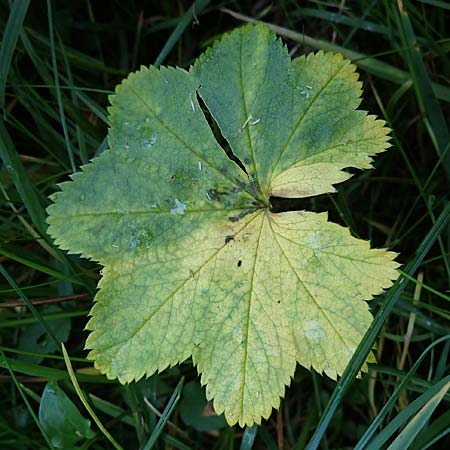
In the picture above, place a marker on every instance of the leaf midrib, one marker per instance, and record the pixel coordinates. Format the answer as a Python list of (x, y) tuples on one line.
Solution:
[(247, 325), (244, 104), (321, 310), (285, 146), (144, 212)]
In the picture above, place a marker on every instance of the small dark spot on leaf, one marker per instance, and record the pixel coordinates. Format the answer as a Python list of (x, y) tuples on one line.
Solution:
[(240, 215), (253, 187), (279, 301), (228, 239), (239, 263), (172, 177), (212, 194)]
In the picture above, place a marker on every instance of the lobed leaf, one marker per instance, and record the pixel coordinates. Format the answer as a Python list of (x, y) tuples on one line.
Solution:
[(195, 262)]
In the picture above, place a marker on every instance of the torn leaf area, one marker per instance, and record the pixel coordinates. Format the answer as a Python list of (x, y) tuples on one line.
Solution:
[(195, 263)]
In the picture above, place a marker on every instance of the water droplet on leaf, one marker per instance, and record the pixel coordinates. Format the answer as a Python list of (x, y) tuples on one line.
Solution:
[(180, 207)]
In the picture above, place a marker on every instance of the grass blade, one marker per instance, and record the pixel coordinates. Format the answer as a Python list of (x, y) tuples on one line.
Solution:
[(438, 3), (27, 403), (333, 17), (428, 104), (9, 40), (435, 431), (168, 410), (43, 373), (21, 180), (413, 428), (83, 400), (361, 445), (30, 306), (58, 88), (428, 400), (249, 437), (191, 14)]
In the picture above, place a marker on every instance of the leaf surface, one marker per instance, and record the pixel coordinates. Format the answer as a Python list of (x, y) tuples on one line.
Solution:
[(61, 419), (195, 262)]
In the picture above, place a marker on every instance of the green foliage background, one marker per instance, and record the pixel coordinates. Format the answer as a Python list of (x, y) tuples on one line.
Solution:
[(58, 63)]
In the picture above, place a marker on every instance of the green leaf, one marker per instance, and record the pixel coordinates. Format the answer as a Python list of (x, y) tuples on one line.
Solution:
[(193, 406), (61, 419), (195, 261), (35, 339)]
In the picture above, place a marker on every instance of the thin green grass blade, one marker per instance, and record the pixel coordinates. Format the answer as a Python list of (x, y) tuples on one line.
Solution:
[(168, 410), (441, 366), (81, 140), (41, 355), (86, 404), (333, 17), (110, 409), (435, 431), (29, 320), (248, 438), (27, 403), (197, 7), (38, 63), (30, 306), (40, 267), (370, 64), (436, 439), (102, 147), (174, 442), (391, 107), (77, 58), (31, 394), (406, 437), (361, 445), (438, 3), (94, 107), (21, 180), (436, 392), (368, 341), (133, 404), (9, 40), (366, 13), (428, 288), (58, 88), (428, 104), (306, 427), (36, 370), (137, 39)]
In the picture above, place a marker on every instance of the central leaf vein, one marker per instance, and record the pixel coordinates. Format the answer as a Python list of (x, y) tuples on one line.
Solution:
[(247, 326), (321, 310), (247, 117), (285, 146)]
